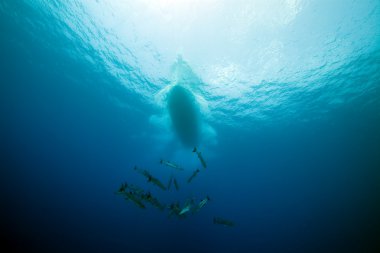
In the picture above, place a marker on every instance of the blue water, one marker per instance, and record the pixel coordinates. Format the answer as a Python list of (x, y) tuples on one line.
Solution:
[(281, 97)]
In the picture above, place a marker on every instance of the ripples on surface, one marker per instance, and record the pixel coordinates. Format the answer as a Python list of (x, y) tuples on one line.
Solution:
[(259, 61)]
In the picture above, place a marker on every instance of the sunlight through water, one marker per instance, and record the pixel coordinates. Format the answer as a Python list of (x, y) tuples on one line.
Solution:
[(255, 58)]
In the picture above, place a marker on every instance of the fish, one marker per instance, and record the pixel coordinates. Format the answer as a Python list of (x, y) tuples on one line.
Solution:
[(170, 164), (143, 172), (176, 184), (152, 200), (135, 189), (193, 175), (184, 210), (202, 203), (174, 209), (224, 222), (122, 189), (136, 200), (188, 205), (170, 182), (150, 178), (157, 182), (200, 157)]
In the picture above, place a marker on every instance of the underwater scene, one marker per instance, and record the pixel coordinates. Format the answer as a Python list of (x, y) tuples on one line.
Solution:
[(190, 126)]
